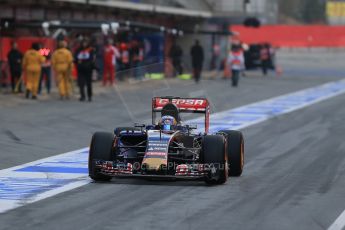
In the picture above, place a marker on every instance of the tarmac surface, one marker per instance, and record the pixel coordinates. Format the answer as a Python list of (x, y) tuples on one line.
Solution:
[(294, 176)]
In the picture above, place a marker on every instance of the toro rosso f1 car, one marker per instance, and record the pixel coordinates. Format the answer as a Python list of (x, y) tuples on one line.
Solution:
[(168, 148)]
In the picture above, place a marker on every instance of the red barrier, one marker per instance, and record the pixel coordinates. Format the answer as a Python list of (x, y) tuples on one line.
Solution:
[(293, 36), (24, 43)]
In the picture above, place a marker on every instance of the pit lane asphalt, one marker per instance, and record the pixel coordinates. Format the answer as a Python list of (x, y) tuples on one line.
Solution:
[(293, 178)]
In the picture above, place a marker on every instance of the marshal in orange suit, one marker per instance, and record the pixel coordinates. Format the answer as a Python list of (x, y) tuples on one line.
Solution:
[(62, 61), (32, 65)]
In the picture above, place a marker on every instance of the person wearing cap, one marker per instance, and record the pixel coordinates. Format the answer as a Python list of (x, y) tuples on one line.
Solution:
[(62, 61), (32, 65)]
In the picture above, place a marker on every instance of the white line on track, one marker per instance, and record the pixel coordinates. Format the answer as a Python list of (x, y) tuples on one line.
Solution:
[(339, 223)]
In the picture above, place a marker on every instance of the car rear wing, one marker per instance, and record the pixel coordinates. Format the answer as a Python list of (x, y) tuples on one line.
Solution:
[(185, 105)]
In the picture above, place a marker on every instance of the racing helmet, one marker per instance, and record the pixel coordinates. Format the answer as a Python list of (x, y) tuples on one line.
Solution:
[(167, 122)]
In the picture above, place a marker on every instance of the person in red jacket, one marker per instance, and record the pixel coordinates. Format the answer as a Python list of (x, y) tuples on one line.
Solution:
[(111, 53)]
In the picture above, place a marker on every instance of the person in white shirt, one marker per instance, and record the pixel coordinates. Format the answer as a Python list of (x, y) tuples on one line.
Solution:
[(236, 63)]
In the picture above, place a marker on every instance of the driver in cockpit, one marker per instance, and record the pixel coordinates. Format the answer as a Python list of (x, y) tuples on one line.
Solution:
[(168, 123)]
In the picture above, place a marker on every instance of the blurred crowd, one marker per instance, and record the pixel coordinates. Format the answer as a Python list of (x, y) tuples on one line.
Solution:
[(82, 62), (39, 67)]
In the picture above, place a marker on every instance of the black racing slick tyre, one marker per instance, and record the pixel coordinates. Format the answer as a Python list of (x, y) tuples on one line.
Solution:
[(215, 159), (235, 150), (101, 148), (118, 130)]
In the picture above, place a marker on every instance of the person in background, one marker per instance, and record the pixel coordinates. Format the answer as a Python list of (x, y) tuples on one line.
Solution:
[(46, 70), (175, 54), (265, 57), (215, 56), (118, 59), (85, 61), (111, 53), (124, 56), (62, 63), (14, 58), (124, 61), (236, 63), (141, 52), (197, 54), (135, 59), (32, 65), (272, 63), (141, 57)]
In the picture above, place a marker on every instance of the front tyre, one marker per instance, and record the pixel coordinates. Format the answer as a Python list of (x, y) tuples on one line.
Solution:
[(215, 159), (101, 148)]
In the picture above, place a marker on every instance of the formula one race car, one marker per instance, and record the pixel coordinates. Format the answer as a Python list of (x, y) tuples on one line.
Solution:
[(168, 148)]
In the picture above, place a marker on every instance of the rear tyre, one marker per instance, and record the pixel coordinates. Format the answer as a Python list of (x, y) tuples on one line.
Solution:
[(118, 130), (215, 159), (101, 148), (235, 151)]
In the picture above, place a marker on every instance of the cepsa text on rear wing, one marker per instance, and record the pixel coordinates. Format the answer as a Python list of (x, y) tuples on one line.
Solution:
[(185, 105)]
